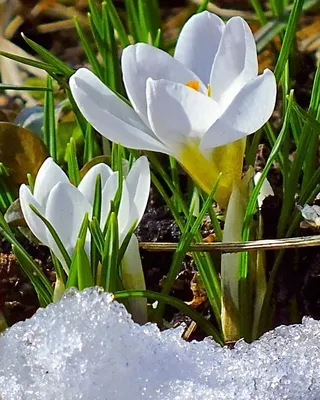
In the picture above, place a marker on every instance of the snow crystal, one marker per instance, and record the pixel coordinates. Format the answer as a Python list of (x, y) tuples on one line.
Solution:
[(87, 347)]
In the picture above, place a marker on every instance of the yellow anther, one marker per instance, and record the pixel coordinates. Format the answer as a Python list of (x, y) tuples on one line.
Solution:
[(209, 90), (194, 85)]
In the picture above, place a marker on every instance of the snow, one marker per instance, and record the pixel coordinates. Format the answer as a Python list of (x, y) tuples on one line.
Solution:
[(87, 347)]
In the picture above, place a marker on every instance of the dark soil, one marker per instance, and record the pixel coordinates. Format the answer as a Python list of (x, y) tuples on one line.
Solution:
[(18, 299)]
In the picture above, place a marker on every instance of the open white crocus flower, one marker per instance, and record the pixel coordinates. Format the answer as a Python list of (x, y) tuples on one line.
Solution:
[(196, 106), (65, 206)]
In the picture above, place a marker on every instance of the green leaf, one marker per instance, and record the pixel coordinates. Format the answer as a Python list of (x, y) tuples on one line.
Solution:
[(96, 17), (205, 325), (72, 161), (203, 6), (87, 47), (118, 25), (91, 147), (65, 131), (27, 61), (55, 236), (59, 66), (288, 39), (49, 124), (39, 281), (80, 274), (110, 57), (126, 241), (97, 235), (4, 86), (182, 249), (94, 161), (109, 273)]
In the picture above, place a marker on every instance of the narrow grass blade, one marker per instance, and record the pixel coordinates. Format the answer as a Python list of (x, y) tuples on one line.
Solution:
[(118, 25), (27, 61), (110, 256), (87, 47), (55, 236), (49, 123), (72, 161), (208, 328), (58, 65), (289, 38), (39, 281)]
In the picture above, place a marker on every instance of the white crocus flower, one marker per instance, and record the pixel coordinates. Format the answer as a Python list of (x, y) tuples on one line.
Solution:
[(65, 206), (196, 106)]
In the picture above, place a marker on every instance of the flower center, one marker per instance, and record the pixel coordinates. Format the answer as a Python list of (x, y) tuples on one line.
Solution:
[(194, 85)]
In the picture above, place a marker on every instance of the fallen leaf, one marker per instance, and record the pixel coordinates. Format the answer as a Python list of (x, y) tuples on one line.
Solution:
[(21, 151)]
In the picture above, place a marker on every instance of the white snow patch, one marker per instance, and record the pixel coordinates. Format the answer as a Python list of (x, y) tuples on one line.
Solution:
[(87, 347)]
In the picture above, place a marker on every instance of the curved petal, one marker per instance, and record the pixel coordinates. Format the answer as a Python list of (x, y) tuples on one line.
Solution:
[(178, 113), (48, 176), (88, 183), (266, 189), (198, 43), (142, 61), (66, 207), (35, 224), (108, 193), (133, 278), (138, 184), (125, 219), (251, 108), (235, 63), (109, 115)]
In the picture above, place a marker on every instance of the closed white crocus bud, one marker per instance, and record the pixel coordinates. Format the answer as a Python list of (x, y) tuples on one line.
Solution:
[(65, 205), (197, 106)]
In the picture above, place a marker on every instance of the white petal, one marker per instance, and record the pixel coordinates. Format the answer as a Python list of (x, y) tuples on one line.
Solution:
[(109, 115), (138, 184), (125, 220), (266, 189), (133, 278), (251, 108), (35, 224), (178, 113), (48, 176), (108, 193), (88, 183), (65, 210), (198, 43), (235, 63), (142, 61)]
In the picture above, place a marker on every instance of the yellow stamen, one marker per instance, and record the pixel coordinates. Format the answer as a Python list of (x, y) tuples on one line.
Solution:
[(194, 85), (209, 90)]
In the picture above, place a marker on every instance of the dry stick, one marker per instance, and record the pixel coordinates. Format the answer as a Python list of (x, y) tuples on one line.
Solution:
[(236, 247)]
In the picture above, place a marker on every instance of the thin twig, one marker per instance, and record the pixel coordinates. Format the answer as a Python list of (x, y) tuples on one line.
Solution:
[(237, 247)]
